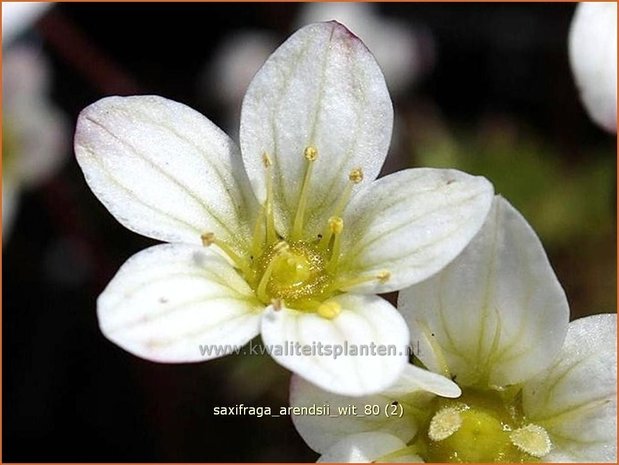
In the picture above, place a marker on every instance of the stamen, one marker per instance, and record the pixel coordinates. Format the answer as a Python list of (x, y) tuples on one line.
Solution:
[(343, 284), (336, 226), (209, 239), (532, 439), (444, 423), (354, 177), (261, 293), (268, 206), (329, 310), (297, 228), (258, 240), (277, 304)]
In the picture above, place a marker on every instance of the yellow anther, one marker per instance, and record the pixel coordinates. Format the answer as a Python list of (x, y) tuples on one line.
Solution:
[(329, 310), (208, 239), (444, 423), (297, 226), (356, 176), (277, 304), (311, 153), (266, 160), (532, 439), (336, 224), (383, 276)]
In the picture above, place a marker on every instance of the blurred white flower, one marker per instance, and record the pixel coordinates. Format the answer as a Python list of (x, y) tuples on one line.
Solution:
[(404, 52), (495, 320), (593, 56), (291, 237), (35, 132), (18, 16)]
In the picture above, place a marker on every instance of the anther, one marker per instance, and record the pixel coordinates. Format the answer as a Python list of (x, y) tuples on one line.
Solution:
[(329, 310), (266, 160), (336, 224), (208, 239), (281, 246), (356, 176), (383, 276), (311, 153), (444, 423), (532, 439)]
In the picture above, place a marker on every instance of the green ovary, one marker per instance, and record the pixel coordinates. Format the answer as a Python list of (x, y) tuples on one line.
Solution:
[(481, 426), (295, 273)]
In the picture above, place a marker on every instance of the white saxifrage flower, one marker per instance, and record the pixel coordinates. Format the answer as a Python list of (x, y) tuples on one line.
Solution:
[(495, 321), (593, 56), (35, 132), (290, 237)]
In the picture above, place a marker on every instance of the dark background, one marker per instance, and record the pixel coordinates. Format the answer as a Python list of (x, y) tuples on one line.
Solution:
[(70, 395)]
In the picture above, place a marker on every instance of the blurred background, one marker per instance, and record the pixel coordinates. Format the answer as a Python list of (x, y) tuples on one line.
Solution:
[(486, 88)]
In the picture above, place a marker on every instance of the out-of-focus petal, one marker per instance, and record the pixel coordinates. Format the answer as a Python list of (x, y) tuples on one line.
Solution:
[(593, 55)]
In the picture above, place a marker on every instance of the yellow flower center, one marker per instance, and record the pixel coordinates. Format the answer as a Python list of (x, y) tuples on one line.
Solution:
[(298, 271), (482, 426)]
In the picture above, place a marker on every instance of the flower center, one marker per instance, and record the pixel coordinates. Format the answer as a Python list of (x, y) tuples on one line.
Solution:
[(295, 273), (299, 271), (482, 426)]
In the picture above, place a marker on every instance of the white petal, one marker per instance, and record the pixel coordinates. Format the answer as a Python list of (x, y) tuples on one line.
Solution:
[(366, 325), (178, 303), (497, 313), (576, 398), (411, 224), (593, 56), (322, 431), (368, 447), (394, 43), (321, 88), (415, 379), (163, 170)]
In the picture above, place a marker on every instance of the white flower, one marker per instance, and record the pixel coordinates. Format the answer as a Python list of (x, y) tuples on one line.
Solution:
[(34, 131), (593, 56), (299, 244), (495, 321), (17, 16)]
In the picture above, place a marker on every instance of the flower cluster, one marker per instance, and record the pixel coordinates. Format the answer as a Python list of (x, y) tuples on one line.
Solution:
[(291, 236)]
